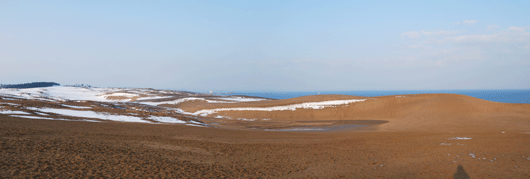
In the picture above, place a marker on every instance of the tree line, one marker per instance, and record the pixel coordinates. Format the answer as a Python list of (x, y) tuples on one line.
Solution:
[(30, 85)]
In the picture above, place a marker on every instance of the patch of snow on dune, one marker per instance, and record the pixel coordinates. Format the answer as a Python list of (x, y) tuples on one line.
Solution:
[(12, 112), (63, 93), (47, 118), (245, 119), (32, 117), (460, 138), (11, 104), (241, 99), (195, 122), (42, 114), (128, 95), (194, 125), (7, 98), (92, 114), (77, 107), (166, 119), (297, 129), (309, 105), (153, 97), (177, 101)]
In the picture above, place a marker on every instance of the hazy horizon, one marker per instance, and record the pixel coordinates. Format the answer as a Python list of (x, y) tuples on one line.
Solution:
[(268, 46)]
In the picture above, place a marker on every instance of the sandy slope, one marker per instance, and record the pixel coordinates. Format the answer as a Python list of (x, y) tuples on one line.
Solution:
[(67, 149), (442, 112), (426, 136)]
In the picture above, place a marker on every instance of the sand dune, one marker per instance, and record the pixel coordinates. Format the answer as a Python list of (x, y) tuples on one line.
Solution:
[(405, 136), (404, 112)]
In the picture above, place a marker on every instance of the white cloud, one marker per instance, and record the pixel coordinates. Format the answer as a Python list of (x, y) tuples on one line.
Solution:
[(510, 35), (517, 29), (446, 48), (469, 22), (418, 34), (416, 46), (411, 34), (472, 38), (492, 27)]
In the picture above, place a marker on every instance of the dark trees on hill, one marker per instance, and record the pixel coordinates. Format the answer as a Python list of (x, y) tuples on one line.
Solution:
[(31, 85)]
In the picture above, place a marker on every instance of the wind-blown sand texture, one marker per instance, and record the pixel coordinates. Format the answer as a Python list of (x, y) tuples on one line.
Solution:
[(410, 136)]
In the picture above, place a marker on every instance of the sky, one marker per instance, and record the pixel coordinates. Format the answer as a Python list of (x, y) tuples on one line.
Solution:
[(268, 45)]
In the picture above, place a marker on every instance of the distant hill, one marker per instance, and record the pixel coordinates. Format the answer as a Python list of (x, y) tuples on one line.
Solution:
[(31, 85)]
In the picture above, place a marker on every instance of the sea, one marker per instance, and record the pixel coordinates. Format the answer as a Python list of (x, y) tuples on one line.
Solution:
[(504, 96)]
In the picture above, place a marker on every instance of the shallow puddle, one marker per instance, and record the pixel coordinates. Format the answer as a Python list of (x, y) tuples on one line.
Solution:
[(333, 126)]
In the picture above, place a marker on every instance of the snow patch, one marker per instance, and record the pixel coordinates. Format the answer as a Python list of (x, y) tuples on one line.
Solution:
[(195, 122), (241, 99), (11, 104), (461, 138), (42, 114), (153, 98), (194, 125), (166, 119), (47, 118), (64, 93), (244, 119), (32, 117), (92, 114), (177, 101), (77, 107), (297, 129), (309, 105), (12, 112)]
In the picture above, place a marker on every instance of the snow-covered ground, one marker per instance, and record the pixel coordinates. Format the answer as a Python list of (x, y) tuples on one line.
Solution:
[(63, 93), (154, 97), (241, 99), (12, 112), (58, 94), (177, 101), (91, 114), (77, 107), (166, 119)]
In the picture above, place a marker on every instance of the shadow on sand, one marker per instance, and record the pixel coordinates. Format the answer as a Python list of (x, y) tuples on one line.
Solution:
[(460, 173)]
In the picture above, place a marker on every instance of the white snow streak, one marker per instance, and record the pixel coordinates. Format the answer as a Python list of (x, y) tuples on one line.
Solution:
[(12, 112), (77, 107), (461, 138), (241, 99), (92, 114), (166, 119), (292, 107)]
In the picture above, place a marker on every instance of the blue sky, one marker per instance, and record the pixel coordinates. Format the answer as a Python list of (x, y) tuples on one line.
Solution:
[(268, 45)]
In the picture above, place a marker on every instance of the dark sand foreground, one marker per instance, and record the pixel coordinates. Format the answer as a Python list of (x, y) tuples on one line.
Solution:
[(426, 136)]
